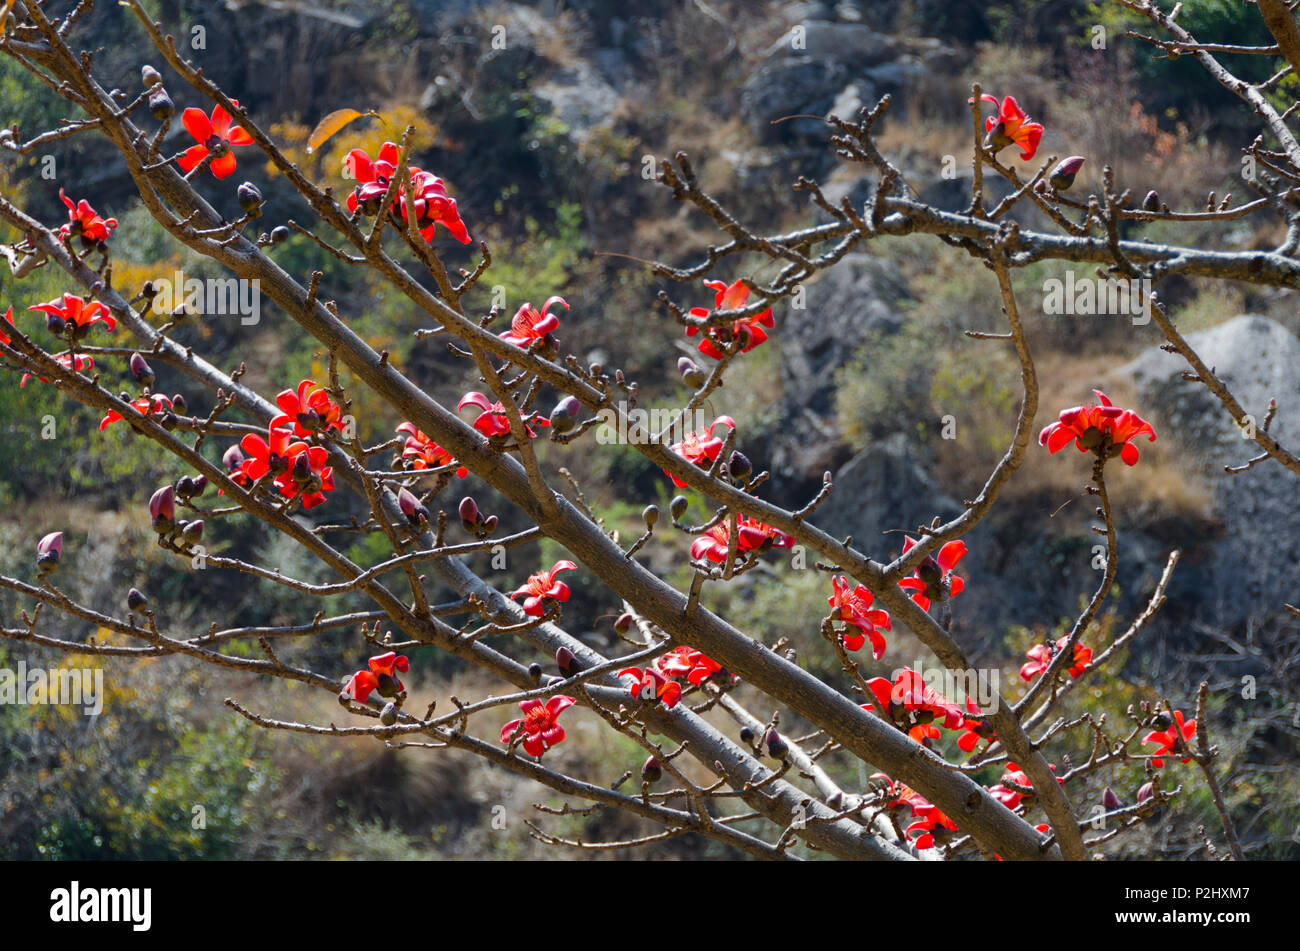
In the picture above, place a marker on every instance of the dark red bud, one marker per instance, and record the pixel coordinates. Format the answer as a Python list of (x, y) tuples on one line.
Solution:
[(568, 664), (141, 370), (651, 771)]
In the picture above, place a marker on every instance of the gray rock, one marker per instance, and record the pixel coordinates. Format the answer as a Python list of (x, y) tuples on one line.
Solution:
[(851, 44), (787, 86), (1253, 562), (860, 295)]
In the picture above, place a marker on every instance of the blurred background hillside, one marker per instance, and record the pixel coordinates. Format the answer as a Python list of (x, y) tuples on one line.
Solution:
[(543, 144)]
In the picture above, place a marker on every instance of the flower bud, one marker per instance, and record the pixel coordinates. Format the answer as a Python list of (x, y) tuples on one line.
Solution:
[(279, 233), (1062, 176), (388, 715), (535, 672), (623, 623), (200, 484), (179, 405), (162, 509), (565, 414), (997, 138), (650, 514), (55, 324), (191, 532), (1109, 801), (301, 469), (692, 375), (739, 466), (470, 517), (489, 525), (1145, 792), (161, 106), (233, 458), (49, 550), (567, 663), (141, 371), (136, 601), (1152, 201), (149, 76), (184, 487), (746, 735), (415, 512), (651, 771), (677, 507), (1163, 720), (776, 745), (250, 198)]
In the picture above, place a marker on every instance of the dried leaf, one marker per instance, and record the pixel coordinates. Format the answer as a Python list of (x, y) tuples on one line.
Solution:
[(330, 125)]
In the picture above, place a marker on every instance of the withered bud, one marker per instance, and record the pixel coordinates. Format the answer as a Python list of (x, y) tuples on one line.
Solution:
[(388, 715), (692, 375), (650, 514), (677, 507)]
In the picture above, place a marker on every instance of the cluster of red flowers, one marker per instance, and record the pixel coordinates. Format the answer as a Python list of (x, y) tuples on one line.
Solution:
[(913, 706), (427, 199), (298, 468), (656, 681), (748, 331), (932, 827), (751, 535)]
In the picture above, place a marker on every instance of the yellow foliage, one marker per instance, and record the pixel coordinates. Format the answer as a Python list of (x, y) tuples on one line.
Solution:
[(366, 134)]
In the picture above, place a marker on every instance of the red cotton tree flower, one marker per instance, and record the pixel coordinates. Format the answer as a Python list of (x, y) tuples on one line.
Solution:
[(1174, 739), (1011, 127), (423, 453), (85, 223), (750, 331), (213, 135), (530, 326), (543, 586), (852, 606), (76, 313), (933, 579), (540, 724), (1040, 657), (1104, 429), (701, 447)]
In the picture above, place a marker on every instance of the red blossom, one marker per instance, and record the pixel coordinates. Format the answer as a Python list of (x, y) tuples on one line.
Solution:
[(424, 453), (64, 360), (83, 222), (543, 585), (1104, 429), (493, 420), (531, 325), (651, 684), (748, 330), (688, 662), (1040, 656), (308, 410), (307, 475), (700, 447), (910, 702), (853, 608), (933, 579), (81, 314), (1176, 739), (154, 405), (1015, 127), (431, 203), (751, 535), (8, 319), (973, 730), (541, 729), (381, 676), (212, 135), (266, 455)]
